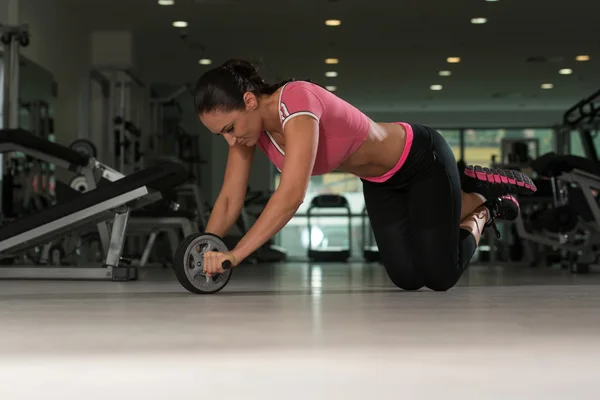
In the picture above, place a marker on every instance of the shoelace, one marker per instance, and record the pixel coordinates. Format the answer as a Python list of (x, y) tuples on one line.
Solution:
[(493, 211)]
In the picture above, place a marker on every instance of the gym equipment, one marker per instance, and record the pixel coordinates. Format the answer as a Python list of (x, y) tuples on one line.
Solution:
[(12, 37), (20, 140), (114, 116), (169, 137), (188, 264), (571, 220), (583, 118), (110, 201), (254, 204), (85, 147), (517, 153), (330, 253), (369, 246)]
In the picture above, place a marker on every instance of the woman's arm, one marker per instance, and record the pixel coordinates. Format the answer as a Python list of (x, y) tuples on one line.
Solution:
[(301, 139), (230, 201)]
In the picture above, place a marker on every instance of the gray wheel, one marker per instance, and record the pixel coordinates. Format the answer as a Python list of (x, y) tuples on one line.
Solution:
[(79, 183), (188, 264)]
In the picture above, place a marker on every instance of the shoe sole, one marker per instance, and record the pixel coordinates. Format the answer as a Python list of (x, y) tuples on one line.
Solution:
[(518, 182), (511, 198)]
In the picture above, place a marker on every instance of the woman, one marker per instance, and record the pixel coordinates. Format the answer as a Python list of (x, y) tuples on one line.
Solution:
[(426, 228)]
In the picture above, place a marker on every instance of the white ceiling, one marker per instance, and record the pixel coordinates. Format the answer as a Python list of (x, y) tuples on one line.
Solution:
[(390, 51)]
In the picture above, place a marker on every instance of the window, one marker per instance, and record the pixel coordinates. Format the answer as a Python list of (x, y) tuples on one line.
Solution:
[(329, 231), (452, 136), (482, 144), (577, 148)]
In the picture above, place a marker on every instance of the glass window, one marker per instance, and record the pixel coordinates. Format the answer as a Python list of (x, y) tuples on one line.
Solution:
[(482, 144), (577, 144), (452, 136), (596, 139)]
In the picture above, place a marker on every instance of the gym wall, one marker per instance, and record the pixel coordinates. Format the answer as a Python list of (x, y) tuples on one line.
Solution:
[(60, 44)]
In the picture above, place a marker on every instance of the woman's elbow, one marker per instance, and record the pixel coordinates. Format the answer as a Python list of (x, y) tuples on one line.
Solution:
[(293, 198)]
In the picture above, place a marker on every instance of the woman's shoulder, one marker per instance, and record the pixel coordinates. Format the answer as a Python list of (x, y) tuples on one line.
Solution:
[(302, 84)]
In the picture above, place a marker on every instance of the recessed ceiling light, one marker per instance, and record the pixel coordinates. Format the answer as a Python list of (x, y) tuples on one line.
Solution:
[(491, 0), (331, 74), (333, 22), (180, 24), (547, 86), (478, 20), (565, 71), (583, 58), (205, 61), (453, 60), (445, 73), (436, 87), (331, 61), (166, 2), (331, 88)]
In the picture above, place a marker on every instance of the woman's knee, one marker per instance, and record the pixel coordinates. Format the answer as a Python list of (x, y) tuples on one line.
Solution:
[(442, 282), (405, 278)]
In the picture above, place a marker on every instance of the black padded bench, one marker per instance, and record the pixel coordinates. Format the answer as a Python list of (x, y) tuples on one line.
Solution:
[(54, 153), (552, 165), (93, 206)]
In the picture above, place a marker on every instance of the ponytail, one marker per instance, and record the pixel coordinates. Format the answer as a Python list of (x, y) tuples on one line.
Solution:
[(223, 87)]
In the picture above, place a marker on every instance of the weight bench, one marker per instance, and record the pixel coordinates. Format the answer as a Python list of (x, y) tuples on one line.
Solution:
[(92, 171), (27, 143), (12, 140), (113, 200), (575, 182)]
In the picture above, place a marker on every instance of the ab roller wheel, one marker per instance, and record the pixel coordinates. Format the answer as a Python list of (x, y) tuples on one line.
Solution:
[(188, 264)]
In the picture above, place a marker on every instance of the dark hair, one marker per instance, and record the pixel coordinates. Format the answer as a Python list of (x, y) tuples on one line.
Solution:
[(222, 88)]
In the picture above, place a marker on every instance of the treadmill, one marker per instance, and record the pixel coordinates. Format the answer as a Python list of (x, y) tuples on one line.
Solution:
[(329, 253)]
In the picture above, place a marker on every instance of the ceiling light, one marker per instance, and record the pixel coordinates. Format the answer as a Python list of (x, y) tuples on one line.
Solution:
[(436, 87), (583, 58), (205, 61), (565, 71), (478, 20), (331, 74), (491, 0), (445, 73), (331, 88), (333, 22), (166, 2), (180, 24), (453, 60), (547, 86), (331, 61)]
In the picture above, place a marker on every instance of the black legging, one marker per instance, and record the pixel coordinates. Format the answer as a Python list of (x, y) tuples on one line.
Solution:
[(415, 217)]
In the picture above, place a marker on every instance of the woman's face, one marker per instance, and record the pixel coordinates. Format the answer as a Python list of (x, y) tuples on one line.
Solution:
[(242, 127)]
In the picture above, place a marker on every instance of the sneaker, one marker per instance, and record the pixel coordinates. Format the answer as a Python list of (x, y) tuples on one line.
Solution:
[(493, 183), (505, 208)]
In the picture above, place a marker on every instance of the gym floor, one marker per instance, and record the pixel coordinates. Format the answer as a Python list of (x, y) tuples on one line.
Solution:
[(295, 331)]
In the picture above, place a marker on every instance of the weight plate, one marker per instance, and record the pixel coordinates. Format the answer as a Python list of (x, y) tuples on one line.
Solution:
[(85, 147), (79, 183), (188, 264)]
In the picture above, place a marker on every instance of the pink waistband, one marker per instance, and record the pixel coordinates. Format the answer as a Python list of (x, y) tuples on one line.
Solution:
[(407, 146)]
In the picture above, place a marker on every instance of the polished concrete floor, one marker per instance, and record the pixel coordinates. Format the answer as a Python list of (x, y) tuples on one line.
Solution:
[(296, 331)]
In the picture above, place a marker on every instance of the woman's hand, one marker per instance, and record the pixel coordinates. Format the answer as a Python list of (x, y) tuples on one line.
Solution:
[(213, 262)]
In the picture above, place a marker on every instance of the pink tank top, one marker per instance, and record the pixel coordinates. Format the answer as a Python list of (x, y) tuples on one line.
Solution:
[(342, 127)]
